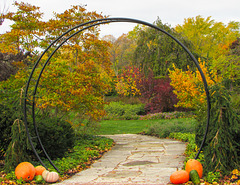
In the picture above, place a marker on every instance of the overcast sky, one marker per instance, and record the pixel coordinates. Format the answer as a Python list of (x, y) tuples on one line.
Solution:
[(172, 12)]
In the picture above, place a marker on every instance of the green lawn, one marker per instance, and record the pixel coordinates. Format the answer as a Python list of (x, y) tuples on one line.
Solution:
[(137, 126)]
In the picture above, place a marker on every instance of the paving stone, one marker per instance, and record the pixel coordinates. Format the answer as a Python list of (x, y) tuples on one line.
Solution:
[(135, 159)]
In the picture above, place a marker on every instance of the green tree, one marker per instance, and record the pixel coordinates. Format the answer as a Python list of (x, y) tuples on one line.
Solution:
[(121, 51), (228, 65), (158, 51)]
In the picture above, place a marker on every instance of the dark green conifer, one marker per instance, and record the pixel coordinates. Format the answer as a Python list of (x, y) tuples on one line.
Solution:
[(18, 147), (222, 147)]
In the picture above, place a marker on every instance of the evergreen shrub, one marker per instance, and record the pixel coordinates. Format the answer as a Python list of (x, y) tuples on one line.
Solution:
[(19, 149), (222, 146), (57, 136), (7, 117), (236, 102)]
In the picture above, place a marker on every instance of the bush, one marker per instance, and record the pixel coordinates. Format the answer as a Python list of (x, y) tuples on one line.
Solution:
[(221, 149), (119, 110), (167, 115), (236, 102), (19, 149), (57, 136), (7, 117), (157, 94), (164, 129), (124, 99)]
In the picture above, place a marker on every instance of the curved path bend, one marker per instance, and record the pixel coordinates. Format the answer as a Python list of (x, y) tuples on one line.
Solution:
[(135, 159)]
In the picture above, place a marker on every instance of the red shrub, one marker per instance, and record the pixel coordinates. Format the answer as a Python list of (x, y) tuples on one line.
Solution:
[(157, 94)]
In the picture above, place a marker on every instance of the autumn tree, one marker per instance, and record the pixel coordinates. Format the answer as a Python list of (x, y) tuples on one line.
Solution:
[(158, 51), (121, 51), (156, 93), (25, 30), (78, 74), (210, 39), (128, 80), (77, 88), (228, 65), (189, 88), (81, 43), (3, 11)]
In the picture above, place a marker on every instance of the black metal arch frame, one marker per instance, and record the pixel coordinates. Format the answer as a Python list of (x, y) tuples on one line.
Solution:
[(85, 26)]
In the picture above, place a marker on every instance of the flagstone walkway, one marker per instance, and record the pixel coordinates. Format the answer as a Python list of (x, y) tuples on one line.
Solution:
[(135, 159)]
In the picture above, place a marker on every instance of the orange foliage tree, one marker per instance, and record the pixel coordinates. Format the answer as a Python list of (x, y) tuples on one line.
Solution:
[(79, 73), (25, 31)]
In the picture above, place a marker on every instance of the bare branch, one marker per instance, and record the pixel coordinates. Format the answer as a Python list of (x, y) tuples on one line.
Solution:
[(3, 12)]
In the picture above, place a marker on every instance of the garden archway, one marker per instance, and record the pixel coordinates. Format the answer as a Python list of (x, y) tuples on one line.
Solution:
[(30, 98)]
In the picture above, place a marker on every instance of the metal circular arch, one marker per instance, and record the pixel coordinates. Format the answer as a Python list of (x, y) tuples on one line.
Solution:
[(85, 26)]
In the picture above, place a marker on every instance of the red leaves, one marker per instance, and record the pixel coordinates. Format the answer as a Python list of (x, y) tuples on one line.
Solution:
[(157, 94)]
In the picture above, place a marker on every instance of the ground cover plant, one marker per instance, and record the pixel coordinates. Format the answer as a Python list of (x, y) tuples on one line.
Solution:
[(164, 127), (211, 177), (86, 150), (168, 115)]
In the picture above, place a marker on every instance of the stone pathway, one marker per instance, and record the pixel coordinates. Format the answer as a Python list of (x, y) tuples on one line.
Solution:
[(135, 159)]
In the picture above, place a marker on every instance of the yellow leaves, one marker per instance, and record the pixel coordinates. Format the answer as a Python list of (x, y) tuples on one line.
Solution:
[(70, 86), (189, 87), (127, 82), (235, 176), (235, 172), (210, 39)]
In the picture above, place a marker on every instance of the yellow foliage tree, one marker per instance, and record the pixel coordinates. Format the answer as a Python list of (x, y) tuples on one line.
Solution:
[(210, 39), (74, 88), (127, 82), (189, 87)]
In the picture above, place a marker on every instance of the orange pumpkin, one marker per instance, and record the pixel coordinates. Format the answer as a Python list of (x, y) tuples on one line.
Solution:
[(179, 177), (25, 170), (193, 164), (39, 170)]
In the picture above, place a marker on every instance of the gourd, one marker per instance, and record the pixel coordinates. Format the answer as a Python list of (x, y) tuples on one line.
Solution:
[(25, 170), (193, 164), (50, 176), (38, 179), (179, 177), (39, 170), (194, 177)]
